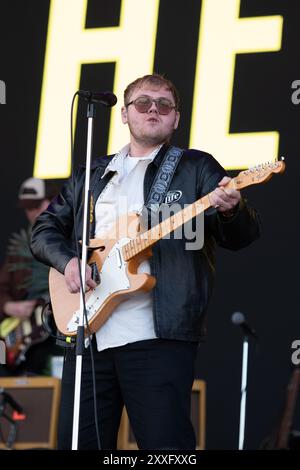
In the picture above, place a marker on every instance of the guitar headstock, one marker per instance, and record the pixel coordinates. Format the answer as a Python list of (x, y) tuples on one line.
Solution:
[(258, 174)]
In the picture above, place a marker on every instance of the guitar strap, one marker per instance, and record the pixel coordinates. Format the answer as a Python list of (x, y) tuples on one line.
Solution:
[(163, 178)]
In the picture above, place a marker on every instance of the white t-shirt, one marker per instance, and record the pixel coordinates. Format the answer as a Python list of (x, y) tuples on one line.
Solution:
[(132, 320)]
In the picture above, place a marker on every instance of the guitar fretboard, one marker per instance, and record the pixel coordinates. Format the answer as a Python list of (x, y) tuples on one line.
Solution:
[(245, 178), (147, 239)]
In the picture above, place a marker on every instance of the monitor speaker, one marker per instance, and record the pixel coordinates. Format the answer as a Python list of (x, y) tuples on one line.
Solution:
[(29, 412)]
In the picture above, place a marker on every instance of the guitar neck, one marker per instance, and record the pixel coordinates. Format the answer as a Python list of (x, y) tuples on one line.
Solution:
[(147, 239), (287, 418), (142, 242)]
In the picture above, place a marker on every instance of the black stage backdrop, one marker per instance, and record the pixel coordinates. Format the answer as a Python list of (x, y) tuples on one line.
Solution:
[(262, 280)]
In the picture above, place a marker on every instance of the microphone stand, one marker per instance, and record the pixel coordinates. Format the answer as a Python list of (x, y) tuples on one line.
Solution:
[(6, 398), (243, 393), (91, 113)]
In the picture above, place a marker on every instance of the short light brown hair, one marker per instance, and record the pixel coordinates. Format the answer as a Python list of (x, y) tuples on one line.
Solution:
[(156, 81)]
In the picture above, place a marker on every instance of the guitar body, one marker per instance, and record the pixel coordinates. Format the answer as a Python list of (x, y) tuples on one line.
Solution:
[(20, 335), (118, 279)]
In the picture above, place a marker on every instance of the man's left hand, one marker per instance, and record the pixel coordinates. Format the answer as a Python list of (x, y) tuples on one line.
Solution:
[(225, 199)]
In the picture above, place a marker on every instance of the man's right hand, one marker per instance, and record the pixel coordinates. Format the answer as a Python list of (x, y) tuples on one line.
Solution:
[(19, 308), (72, 277)]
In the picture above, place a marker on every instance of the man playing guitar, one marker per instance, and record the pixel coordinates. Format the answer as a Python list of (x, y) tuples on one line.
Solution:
[(145, 350), (24, 290)]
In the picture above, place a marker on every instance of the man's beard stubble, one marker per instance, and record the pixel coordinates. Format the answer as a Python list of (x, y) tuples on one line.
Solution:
[(151, 140)]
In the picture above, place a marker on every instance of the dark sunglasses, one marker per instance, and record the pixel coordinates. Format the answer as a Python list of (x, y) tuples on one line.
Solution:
[(144, 103)]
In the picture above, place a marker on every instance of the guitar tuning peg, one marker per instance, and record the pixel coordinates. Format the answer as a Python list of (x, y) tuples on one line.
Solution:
[(282, 158)]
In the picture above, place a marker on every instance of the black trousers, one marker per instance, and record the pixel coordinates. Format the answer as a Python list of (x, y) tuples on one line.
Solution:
[(153, 378)]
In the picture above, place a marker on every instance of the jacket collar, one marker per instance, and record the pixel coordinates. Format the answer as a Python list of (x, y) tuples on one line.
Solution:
[(105, 161), (117, 162), (157, 160)]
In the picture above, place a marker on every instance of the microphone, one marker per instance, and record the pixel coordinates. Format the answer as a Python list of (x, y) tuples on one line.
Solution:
[(106, 98), (7, 398), (239, 319)]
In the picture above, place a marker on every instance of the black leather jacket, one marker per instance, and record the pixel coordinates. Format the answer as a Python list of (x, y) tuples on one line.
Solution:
[(184, 277)]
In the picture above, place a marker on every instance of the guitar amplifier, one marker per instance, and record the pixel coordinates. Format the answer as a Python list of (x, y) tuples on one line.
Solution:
[(32, 403), (126, 439)]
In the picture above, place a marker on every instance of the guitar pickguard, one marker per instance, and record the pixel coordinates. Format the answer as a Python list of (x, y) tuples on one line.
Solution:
[(114, 278)]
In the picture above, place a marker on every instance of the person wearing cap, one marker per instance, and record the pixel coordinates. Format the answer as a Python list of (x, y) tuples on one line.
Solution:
[(35, 195), (24, 281)]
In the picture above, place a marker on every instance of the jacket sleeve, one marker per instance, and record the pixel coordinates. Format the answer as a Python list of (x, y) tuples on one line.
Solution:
[(51, 237), (233, 232)]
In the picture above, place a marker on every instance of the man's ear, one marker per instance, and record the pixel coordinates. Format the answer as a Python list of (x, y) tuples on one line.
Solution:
[(177, 118), (124, 114)]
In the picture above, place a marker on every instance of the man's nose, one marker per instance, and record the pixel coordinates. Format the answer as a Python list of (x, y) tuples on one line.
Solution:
[(153, 107)]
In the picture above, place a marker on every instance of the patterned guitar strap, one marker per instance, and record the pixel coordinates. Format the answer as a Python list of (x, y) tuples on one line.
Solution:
[(161, 183)]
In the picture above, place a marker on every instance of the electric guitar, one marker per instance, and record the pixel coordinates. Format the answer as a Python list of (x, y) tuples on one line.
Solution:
[(20, 335), (117, 257)]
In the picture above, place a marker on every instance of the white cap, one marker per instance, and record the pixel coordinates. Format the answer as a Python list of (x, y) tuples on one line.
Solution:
[(32, 189)]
